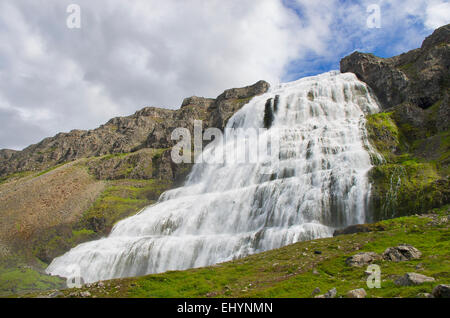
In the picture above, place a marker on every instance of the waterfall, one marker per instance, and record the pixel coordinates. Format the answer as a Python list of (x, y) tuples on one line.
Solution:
[(230, 210)]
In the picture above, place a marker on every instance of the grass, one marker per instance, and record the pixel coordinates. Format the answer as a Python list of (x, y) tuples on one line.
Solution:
[(18, 277), (413, 177), (121, 199), (26, 280), (295, 270)]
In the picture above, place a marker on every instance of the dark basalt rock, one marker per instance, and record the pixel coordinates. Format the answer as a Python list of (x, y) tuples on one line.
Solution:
[(358, 228)]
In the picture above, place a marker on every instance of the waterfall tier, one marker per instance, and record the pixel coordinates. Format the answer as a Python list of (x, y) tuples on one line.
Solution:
[(230, 210)]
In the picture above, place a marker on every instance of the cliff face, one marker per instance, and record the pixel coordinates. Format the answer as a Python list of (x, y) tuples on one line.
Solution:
[(420, 77), (148, 128), (412, 132)]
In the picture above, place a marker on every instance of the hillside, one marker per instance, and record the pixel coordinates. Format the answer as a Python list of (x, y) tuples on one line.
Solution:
[(297, 270)]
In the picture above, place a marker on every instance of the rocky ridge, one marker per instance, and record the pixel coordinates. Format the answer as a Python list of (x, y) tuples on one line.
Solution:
[(149, 127)]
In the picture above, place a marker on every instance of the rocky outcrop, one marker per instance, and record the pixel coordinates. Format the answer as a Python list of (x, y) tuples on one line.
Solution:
[(403, 252), (411, 279), (148, 128), (357, 228), (441, 291), (5, 154), (419, 77), (231, 101), (362, 259), (357, 293)]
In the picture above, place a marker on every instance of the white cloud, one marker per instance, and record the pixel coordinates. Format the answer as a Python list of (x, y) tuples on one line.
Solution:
[(131, 54), (136, 53), (437, 15)]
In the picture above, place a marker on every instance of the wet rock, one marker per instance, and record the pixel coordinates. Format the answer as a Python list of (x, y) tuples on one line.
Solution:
[(357, 293), (441, 291), (410, 279), (402, 252), (362, 259)]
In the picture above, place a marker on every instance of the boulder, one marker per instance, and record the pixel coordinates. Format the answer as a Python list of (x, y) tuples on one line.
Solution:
[(402, 252), (362, 259), (357, 293), (329, 294), (315, 291), (441, 291), (85, 294), (410, 279)]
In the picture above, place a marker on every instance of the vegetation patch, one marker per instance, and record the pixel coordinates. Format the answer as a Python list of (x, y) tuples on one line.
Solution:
[(413, 177), (121, 199)]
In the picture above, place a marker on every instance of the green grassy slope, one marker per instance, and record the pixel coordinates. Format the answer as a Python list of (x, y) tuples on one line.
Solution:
[(296, 270)]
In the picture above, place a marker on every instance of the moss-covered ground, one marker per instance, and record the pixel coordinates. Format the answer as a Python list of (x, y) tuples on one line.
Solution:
[(414, 175)]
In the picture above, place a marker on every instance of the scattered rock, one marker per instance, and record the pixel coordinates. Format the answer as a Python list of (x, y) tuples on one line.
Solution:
[(402, 252), (85, 294), (315, 272), (357, 293), (55, 294), (101, 284), (441, 291), (315, 291), (425, 295), (362, 259), (410, 279), (331, 293)]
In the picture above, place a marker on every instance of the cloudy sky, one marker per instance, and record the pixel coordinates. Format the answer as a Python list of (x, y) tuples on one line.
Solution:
[(136, 53)]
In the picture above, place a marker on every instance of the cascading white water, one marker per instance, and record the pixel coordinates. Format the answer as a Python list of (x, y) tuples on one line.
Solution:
[(231, 210)]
